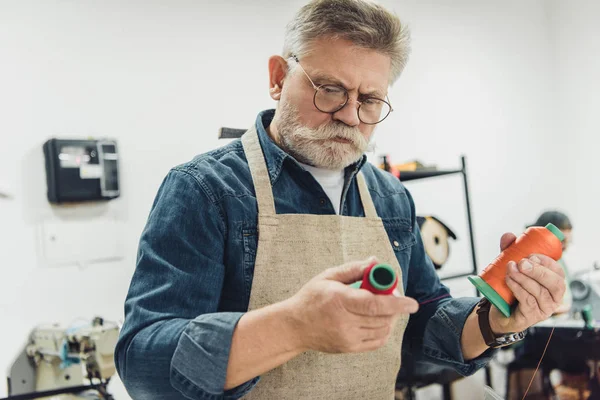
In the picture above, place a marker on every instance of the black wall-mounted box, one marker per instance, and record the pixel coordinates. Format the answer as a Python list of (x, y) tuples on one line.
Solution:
[(81, 170)]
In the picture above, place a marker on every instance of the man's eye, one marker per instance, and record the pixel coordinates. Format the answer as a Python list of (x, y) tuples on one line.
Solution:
[(371, 101), (332, 89)]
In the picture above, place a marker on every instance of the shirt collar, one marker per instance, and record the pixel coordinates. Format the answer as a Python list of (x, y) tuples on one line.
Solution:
[(275, 156)]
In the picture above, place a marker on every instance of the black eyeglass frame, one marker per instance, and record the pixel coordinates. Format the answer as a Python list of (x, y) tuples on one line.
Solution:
[(317, 88)]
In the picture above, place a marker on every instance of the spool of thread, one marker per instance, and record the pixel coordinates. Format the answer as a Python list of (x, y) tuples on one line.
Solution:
[(536, 239), (378, 279)]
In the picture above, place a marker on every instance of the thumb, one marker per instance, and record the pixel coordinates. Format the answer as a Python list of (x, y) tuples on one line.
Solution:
[(349, 272), (506, 240)]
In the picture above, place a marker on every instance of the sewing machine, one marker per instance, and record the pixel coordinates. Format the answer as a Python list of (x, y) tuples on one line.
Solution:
[(65, 362), (585, 290), (569, 342)]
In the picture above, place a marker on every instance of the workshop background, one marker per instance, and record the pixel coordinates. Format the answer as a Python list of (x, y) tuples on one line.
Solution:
[(512, 85)]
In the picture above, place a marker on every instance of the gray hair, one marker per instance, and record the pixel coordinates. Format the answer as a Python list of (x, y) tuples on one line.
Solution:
[(362, 22)]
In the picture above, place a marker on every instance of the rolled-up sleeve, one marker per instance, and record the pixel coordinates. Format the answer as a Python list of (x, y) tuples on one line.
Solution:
[(434, 333), (199, 364), (442, 336), (174, 343)]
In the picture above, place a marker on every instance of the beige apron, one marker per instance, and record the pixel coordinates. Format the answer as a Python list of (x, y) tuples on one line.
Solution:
[(292, 249)]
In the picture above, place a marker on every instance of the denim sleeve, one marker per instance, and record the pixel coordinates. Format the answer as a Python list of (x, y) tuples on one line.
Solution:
[(174, 343), (433, 333)]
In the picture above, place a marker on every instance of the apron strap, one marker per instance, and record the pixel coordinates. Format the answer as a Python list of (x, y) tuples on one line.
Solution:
[(365, 197), (260, 175)]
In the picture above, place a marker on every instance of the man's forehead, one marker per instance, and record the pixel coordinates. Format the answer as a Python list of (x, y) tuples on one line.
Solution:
[(350, 64), (323, 77)]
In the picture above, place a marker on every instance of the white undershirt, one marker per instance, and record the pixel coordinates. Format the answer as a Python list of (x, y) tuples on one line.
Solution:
[(331, 181)]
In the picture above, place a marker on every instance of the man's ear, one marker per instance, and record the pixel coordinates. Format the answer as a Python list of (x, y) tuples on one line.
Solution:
[(278, 68)]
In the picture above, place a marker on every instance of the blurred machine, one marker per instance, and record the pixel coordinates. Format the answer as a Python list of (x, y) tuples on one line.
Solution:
[(60, 362), (585, 290), (573, 349)]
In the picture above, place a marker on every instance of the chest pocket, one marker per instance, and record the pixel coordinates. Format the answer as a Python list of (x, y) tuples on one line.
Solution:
[(402, 239), (250, 244)]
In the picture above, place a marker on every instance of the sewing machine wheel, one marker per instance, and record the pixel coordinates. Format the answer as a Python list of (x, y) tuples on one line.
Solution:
[(579, 290)]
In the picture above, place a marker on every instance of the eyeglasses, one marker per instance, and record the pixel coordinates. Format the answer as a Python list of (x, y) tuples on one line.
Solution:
[(332, 98)]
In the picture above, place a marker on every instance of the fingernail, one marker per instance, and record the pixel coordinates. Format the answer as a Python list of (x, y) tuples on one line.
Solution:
[(535, 259), (526, 265), (396, 293), (512, 267)]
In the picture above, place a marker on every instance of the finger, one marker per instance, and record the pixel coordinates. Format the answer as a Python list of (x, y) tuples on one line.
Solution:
[(362, 302), (375, 334), (506, 240), (370, 345), (547, 262), (367, 322), (545, 300), (544, 276), (376, 343), (527, 302), (349, 272)]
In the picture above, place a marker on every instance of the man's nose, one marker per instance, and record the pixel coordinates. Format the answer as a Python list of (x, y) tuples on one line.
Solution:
[(348, 114)]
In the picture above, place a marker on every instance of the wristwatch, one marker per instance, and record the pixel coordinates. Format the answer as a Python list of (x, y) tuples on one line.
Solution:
[(491, 339)]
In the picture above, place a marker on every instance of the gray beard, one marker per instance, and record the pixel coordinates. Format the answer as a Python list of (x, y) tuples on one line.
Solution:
[(315, 146)]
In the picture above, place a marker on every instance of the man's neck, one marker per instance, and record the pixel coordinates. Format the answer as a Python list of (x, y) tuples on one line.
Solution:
[(272, 130), (323, 172)]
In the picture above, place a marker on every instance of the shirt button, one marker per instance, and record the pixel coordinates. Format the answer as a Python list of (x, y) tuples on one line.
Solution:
[(322, 202), (396, 244)]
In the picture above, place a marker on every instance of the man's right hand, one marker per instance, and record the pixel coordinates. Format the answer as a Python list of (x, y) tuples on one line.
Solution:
[(332, 317), (325, 315)]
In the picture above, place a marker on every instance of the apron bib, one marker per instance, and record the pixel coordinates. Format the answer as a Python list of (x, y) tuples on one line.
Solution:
[(292, 249)]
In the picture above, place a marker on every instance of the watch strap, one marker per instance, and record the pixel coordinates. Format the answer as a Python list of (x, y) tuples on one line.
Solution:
[(491, 339)]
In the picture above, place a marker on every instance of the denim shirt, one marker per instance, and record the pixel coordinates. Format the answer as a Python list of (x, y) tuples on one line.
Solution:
[(196, 260)]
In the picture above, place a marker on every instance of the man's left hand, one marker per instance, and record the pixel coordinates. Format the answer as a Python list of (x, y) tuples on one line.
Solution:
[(538, 283)]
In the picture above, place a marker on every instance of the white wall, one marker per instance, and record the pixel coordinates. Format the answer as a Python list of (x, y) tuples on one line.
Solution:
[(479, 83), (162, 79), (575, 31)]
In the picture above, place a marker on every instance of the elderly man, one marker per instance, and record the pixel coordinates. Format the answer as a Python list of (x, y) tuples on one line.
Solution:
[(241, 286)]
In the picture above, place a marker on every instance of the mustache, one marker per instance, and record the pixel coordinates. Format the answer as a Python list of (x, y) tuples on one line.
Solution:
[(336, 131)]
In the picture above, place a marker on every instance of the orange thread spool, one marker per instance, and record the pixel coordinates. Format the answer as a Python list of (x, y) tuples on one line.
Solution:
[(491, 282)]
